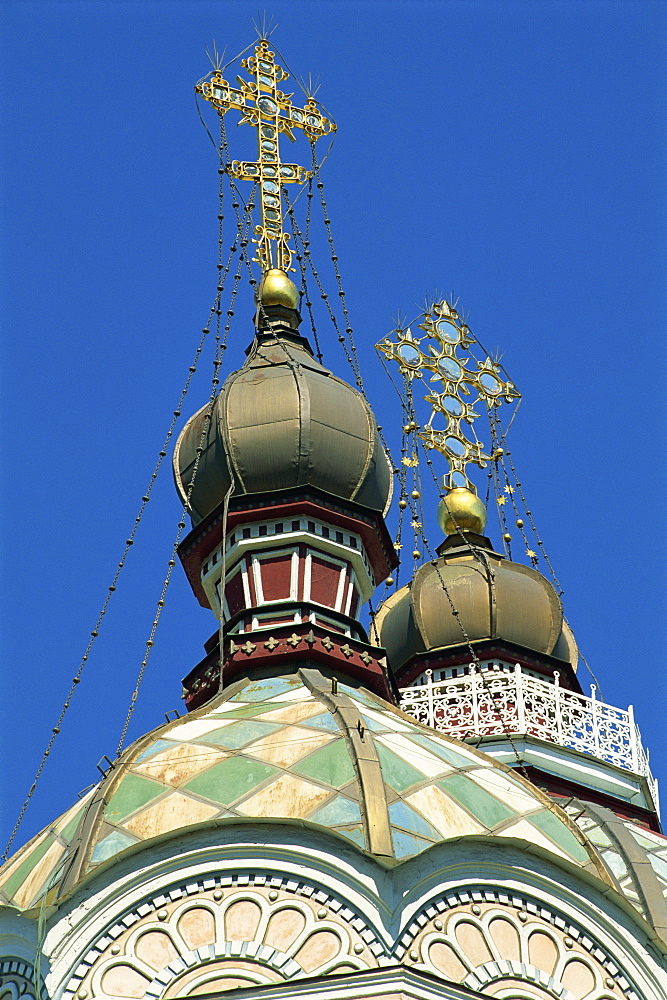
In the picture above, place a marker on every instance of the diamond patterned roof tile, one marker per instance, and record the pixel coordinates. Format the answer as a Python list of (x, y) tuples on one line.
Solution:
[(285, 748)]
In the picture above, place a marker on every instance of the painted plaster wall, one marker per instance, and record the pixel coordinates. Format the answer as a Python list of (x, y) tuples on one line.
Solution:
[(267, 904)]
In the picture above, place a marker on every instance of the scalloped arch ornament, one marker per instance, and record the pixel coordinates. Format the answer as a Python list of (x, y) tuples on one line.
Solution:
[(219, 934), (512, 948), (17, 980), (221, 939)]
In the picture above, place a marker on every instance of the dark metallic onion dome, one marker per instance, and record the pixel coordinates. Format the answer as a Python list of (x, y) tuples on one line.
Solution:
[(281, 421), (495, 598)]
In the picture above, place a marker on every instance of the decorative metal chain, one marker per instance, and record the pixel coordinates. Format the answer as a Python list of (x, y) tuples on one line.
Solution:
[(408, 407), (507, 455), (309, 199), (219, 265), (498, 494), (489, 479), (150, 642), (236, 196), (402, 493), (372, 614), (354, 360), (223, 270), (509, 491), (588, 667), (221, 346), (323, 295), (402, 508), (401, 471), (300, 245), (403, 505), (350, 352), (415, 503), (111, 588), (499, 434)]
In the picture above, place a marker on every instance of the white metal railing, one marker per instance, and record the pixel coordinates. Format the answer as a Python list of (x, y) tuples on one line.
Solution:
[(497, 702)]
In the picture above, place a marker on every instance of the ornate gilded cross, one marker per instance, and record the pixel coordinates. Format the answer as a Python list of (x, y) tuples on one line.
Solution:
[(445, 334), (271, 112)]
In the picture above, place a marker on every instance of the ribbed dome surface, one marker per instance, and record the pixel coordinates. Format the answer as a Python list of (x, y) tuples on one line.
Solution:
[(287, 748), (495, 598), (279, 422)]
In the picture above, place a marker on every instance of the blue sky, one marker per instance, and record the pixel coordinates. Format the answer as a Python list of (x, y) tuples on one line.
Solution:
[(510, 152)]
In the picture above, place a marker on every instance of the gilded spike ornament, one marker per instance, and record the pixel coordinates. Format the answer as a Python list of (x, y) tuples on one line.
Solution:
[(271, 112), (437, 352)]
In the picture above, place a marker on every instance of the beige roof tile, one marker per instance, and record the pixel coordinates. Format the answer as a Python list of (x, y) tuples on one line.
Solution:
[(447, 816), (170, 813), (286, 796), (288, 746)]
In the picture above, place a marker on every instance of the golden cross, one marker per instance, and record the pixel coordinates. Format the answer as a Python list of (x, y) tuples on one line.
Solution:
[(271, 112), (445, 335)]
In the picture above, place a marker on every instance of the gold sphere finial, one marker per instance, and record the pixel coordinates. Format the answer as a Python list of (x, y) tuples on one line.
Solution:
[(276, 289), (461, 510)]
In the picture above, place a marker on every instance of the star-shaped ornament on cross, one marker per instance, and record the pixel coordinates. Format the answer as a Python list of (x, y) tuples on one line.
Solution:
[(271, 112)]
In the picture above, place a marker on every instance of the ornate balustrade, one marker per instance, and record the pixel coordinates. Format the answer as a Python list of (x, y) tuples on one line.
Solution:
[(499, 702)]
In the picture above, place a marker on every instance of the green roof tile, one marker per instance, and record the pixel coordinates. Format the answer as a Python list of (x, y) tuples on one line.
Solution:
[(395, 771), (443, 752), (331, 765), (15, 880), (69, 830), (230, 780), (239, 734), (554, 827), (339, 810), (483, 806), (132, 793)]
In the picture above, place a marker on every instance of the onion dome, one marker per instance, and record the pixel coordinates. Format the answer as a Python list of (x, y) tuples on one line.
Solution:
[(495, 598), (295, 747), (282, 421)]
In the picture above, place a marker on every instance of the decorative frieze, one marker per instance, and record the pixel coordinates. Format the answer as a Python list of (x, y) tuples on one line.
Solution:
[(482, 938), (18, 979), (289, 642), (215, 934)]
